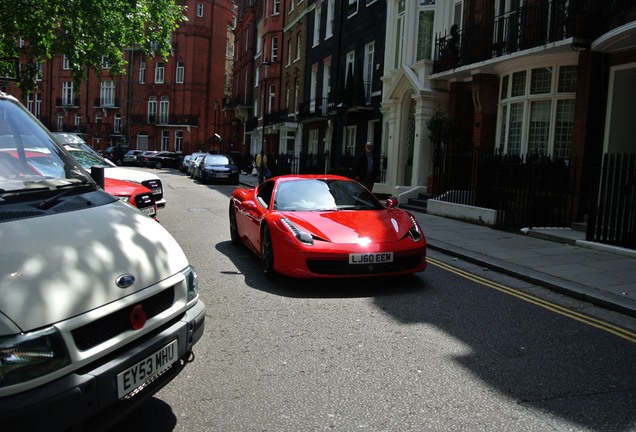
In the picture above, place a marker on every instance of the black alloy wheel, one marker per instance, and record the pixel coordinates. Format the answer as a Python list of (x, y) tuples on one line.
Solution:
[(234, 234), (267, 252)]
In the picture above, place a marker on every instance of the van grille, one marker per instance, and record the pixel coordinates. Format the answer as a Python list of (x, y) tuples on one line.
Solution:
[(118, 322)]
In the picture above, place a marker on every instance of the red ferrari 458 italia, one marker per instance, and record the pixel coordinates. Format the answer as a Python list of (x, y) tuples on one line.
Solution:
[(321, 226)]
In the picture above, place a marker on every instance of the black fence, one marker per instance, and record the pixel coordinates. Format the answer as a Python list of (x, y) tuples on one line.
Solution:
[(526, 190), (612, 218)]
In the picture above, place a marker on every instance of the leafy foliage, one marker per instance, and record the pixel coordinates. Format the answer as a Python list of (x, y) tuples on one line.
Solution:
[(84, 31)]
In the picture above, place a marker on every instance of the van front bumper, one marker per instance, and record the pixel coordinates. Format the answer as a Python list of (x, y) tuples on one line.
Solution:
[(88, 399)]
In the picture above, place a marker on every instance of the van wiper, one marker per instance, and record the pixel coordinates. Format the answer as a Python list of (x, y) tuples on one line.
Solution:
[(55, 199)]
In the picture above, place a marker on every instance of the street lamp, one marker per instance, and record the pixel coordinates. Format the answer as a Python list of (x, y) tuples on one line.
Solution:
[(261, 171)]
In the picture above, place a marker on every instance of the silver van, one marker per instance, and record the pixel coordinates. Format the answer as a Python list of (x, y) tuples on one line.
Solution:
[(99, 306)]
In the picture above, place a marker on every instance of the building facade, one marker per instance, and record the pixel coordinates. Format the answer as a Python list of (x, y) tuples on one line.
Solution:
[(160, 104)]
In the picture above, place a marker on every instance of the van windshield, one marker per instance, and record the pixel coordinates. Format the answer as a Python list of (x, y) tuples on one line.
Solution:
[(29, 157)]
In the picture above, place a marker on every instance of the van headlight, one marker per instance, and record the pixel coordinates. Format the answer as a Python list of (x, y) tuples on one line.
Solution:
[(26, 356), (192, 280)]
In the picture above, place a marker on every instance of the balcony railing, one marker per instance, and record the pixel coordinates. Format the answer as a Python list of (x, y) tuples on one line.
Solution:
[(66, 102), (106, 102), (173, 120), (518, 30)]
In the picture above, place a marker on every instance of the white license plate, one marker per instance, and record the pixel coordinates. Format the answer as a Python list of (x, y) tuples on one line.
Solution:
[(370, 258), (150, 211), (221, 175), (142, 371), (156, 191)]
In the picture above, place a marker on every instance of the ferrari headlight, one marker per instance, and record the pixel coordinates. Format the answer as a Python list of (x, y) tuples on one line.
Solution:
[(302, 236), (26, 356), (192, 280), (415, 232)]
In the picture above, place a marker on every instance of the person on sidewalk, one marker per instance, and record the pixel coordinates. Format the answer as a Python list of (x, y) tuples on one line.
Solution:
[(366, 168), (261, 166)]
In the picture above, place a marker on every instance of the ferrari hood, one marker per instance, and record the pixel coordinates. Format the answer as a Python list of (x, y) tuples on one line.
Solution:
[(352, 226), (60, 266)]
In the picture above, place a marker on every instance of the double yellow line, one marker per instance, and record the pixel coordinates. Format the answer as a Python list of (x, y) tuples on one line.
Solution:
[(585, 319)]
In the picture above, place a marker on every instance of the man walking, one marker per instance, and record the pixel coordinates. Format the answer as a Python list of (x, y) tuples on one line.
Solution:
[(366, 168)]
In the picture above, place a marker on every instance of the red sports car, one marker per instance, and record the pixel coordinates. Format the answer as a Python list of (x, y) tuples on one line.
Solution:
[(321, 226)]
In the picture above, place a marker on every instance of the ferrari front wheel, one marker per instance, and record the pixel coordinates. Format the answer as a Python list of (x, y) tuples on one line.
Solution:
[(267, 252), (234, 234)]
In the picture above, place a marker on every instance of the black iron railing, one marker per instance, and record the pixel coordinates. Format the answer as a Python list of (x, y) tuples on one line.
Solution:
[(612, 218)]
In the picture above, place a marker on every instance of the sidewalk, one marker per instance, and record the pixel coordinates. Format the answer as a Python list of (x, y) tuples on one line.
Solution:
[(558, 259)]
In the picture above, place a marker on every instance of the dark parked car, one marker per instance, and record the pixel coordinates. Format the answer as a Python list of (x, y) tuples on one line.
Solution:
[(217, 168), (115, 154), (130, 158), (164, 159)]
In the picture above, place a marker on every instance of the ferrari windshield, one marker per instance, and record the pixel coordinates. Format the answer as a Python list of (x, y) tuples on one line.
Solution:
[(324, 195), (29, 158)]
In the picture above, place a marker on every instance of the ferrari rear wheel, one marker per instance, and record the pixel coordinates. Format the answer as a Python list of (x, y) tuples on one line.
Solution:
[(234, 234), (267, 252)]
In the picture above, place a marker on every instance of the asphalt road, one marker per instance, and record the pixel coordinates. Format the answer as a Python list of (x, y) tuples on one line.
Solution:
[(438, 351)]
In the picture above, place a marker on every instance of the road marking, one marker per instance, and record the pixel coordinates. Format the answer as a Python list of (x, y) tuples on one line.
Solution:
[(585, 319)]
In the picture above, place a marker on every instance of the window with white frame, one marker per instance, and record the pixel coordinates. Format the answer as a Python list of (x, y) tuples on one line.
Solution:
[(287, 95), (426, 19), (289, 52), (40, 71), (29, 105), (350, 68), (331, 8), (536, 111), (165, 140), (142, 72), (107, 93), (369, 61), (98, 117), (200, 10), (353, 8), (178, 140), (60, 122), (66, 64), (291, 141), (317, 14), (299, 47), (160, 70), (77, 122), (117, 123), (274, 49), (312, 145), (271, 98), (67, 93), (296, 95), (164, 110), (399, 33), (291, 6), (37, 109), (105, 64), (313, 89), (276, 9), (326, 77), (349, 149), (180, 72), (152, 110)]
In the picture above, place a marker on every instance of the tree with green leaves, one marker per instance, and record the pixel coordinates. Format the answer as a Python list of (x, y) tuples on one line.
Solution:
[(87, 32)]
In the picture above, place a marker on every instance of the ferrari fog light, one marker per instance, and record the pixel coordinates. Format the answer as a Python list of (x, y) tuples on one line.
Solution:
[(192, 280), (302, 236), (26, 356)]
